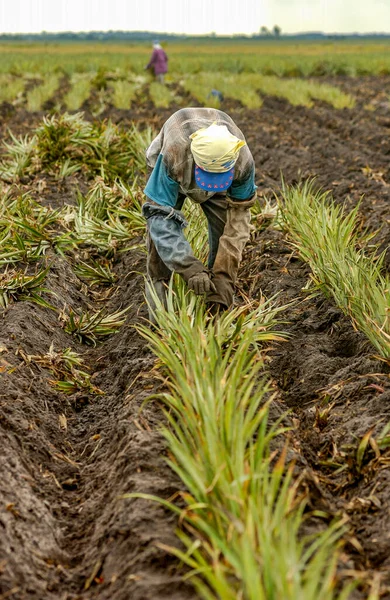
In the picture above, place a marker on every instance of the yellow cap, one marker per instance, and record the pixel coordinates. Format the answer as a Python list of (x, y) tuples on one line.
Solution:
[(215, 149)]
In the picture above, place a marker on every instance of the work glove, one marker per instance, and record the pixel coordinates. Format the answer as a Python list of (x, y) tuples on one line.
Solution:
[(200, 283), (241, 204)]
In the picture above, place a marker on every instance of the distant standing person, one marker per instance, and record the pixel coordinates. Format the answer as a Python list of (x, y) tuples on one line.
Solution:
[(158, 62)]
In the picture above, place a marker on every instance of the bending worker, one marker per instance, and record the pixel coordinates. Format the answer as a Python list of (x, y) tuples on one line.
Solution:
[(201, 154)]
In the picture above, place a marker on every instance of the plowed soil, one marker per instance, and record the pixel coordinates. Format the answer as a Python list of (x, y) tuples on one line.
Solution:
[(65, 531)]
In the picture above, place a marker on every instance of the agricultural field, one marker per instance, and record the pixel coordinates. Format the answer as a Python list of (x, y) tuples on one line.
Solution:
[(239, 457)]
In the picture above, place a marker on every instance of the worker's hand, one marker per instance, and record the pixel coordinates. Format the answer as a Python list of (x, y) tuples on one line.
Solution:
[(201, 284)]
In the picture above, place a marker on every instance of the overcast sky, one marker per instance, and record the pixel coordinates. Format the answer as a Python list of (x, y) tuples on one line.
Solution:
[(195, 16)]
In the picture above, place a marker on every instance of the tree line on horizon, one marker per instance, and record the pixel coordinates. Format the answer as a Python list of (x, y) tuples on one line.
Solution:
[(147, 36)]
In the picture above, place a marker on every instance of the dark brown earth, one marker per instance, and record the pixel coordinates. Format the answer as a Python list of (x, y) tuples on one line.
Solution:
[(65, 532)]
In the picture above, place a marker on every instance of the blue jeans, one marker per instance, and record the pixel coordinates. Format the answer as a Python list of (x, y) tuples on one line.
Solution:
[(161, 240)]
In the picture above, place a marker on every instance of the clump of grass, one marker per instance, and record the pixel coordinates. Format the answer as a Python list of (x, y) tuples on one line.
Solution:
[(328, 239), (264, 211), (106, 221), (299, 91), (11, 87), (196, 232), (63, 137), (68, 368), (19, 157), (38, 95), (16, 248), (124, 92), (243, 514), (17, 285), (79, 92), (103, 198), (90, 327), (108, 217), (240, 87), (245, 87), (20, 240), (66, 143), (29, 229), (95, 273), (120, 153), (330, 94), (104, 236), (294, 90), (160, 95)]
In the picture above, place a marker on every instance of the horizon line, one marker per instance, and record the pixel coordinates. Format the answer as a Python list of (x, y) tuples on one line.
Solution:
[(207, 34)]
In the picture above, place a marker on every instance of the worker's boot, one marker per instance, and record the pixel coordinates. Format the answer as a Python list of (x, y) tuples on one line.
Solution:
[(157, 288)]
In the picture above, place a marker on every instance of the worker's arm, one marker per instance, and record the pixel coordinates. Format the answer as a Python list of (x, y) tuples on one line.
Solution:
[(152, 60), (243, 188), (240, 197), (166, 225)]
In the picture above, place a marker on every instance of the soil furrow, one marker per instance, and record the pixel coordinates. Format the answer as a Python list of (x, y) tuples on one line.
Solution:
[(64, 521)]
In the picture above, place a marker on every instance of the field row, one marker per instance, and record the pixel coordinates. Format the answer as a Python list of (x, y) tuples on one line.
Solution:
[(276, 58), (101, 89)]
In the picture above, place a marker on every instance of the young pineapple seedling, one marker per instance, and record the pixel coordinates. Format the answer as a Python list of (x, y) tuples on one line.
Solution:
[(95, 273), (16, 285), (90, 327), (65, 366)]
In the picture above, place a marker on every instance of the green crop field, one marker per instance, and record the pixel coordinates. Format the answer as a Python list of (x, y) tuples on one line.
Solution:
[(244, 71), (272, 58), (237, 456)]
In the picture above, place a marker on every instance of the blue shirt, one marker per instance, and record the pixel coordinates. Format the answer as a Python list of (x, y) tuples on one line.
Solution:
[(164, 190)]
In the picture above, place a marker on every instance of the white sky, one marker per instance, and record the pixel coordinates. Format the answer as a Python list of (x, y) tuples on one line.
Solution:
[(195, 16)]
